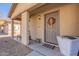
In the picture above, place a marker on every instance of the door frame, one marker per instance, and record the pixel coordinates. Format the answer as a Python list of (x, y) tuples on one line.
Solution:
[(45, 23)]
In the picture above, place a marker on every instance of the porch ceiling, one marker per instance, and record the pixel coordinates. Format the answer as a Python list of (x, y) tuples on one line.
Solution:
[(17, 18), (45, 7)]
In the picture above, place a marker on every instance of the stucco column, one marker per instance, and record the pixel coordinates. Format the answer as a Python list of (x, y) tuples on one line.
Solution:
[(24, 28), (12, 29)]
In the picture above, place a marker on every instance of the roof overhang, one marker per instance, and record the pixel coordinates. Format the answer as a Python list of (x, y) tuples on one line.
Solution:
[(12, 9), (14, 5)]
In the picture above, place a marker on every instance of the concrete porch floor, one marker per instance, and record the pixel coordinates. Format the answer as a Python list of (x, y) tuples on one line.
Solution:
[(2, 33), (39, 50)]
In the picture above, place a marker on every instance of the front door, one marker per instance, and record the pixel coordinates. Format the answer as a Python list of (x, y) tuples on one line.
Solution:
[(51, 27)]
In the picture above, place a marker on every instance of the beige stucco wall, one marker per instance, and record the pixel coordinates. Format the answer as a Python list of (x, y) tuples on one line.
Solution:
[(69, 21), (37, 27), (32, 27), (5, 30), (9, 29)]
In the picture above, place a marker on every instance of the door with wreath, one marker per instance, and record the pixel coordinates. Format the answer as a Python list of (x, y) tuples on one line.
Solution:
[(51, 28)]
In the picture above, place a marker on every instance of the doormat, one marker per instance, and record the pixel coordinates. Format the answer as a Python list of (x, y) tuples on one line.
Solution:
[(49, 46)]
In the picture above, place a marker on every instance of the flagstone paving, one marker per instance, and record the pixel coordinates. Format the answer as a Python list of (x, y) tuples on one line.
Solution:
[(10, 47)]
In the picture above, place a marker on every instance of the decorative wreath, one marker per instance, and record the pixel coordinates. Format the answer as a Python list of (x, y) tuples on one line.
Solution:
[(52, 22)]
